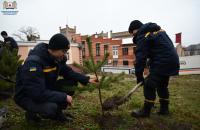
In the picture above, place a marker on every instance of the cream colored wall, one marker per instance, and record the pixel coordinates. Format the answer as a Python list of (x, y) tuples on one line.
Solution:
[(180, 50), (23, 51), (74, 55)]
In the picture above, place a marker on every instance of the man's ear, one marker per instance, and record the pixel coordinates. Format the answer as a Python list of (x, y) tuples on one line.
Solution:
[(50, 51)]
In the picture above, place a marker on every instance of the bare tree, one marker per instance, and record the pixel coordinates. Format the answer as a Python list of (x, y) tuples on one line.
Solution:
[(27, 34), (19, 35)]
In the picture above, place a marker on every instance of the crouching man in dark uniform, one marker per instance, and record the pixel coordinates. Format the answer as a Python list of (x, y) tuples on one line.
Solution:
[(37, 86), (153, 43)]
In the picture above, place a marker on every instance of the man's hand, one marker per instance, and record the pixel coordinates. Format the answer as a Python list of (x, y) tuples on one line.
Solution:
[(93, 80), (140, 79), (69, 100)]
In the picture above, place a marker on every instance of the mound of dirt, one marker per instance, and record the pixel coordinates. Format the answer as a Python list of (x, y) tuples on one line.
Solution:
[(112, 102), (109, 121)]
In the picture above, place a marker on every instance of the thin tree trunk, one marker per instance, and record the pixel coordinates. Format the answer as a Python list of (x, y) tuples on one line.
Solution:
[(100, 97)]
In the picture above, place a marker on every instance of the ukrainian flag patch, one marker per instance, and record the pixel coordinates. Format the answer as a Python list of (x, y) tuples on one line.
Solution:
[(32, 69)]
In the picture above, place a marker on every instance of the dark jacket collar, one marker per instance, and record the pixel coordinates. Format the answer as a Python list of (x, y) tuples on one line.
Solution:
[(148, 27), (41, 50)]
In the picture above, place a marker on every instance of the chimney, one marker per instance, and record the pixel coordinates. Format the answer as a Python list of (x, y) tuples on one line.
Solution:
[(110, 34), (75, 29), (178, 38)]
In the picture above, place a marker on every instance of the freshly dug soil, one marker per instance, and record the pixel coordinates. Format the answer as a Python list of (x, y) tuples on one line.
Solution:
[(112, 103), (109, 121)]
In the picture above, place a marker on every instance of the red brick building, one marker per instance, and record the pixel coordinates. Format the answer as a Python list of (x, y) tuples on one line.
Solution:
[(121, 52)]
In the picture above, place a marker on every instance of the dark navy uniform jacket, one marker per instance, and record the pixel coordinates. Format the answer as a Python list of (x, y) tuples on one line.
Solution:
[(37, 77), (153, 43)]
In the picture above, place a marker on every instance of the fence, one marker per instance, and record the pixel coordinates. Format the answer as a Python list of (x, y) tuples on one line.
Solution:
[(188, 65), (126, 70)]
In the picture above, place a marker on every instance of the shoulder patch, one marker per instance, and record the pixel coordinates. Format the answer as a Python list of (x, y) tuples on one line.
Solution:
[(147, 34), (32, 69)]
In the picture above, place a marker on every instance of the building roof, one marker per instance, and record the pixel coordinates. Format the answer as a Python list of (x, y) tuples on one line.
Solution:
[(193, 47), (31, 43), (121, 34), (127, 41), (67, 28), (128, 45), (34, 43)]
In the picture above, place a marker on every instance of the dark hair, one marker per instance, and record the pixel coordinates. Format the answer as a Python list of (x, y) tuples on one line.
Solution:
[(135, 24), (4, 33)]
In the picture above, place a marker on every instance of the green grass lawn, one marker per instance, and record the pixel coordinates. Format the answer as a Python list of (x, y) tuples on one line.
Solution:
[(184, 108)]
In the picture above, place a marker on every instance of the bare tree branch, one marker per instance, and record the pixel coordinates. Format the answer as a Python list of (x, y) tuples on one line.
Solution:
[(29, 33), (19, 36)]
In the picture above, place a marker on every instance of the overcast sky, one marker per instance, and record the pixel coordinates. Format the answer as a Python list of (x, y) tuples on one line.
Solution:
[(90, 16)]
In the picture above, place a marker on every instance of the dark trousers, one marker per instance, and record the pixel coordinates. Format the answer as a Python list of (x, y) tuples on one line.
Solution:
[(49, 109), (153, 84)]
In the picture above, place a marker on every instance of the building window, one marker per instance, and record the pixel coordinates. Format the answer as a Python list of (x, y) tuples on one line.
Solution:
[(115, 62), (125, 63), (198, 52), (83, 52), (97, 49), (115, 51), (67, 55), (83, 49), (125, 51), (105, 49), (134, 50)]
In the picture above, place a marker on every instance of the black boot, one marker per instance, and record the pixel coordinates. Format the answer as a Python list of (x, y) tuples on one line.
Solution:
[(69, 115), (32, 117), (164, 107), (63, 118), (144, 112)]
